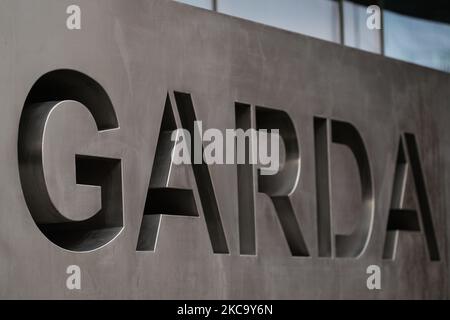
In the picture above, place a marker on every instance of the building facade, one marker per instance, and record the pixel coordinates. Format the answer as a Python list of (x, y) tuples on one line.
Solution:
[(87, 177)]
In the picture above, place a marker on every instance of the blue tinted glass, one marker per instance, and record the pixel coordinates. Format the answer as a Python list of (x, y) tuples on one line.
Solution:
[(207, 4), (419, 41), (317, 18)]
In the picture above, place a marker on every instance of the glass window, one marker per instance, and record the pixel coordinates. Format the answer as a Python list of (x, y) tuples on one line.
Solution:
[(356, 32), (206, 4), (418, 41), (317, 18)]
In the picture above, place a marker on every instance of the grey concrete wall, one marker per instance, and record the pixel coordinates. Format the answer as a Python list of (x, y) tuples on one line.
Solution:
[(141, 51)]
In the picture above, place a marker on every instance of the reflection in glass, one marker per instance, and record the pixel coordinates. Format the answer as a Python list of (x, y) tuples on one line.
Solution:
[(418, 41), (206, 4), (316, 18)]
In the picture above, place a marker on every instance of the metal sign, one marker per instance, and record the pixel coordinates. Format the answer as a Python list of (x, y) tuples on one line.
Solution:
[(94, 109)]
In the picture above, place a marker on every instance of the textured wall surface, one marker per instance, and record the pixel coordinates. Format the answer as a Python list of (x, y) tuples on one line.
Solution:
[(140, 53)]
